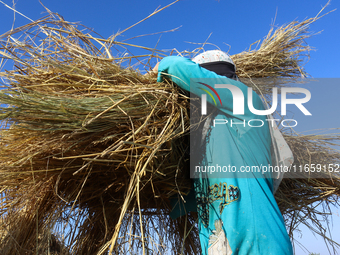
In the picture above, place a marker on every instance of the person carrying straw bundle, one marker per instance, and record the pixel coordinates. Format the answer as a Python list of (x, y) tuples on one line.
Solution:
[(95, 149), (237, 215)]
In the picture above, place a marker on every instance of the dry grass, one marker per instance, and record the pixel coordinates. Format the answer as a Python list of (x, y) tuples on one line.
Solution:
[(94, 150)]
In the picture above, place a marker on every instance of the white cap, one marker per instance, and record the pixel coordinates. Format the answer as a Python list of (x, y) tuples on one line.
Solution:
[(212, 56)]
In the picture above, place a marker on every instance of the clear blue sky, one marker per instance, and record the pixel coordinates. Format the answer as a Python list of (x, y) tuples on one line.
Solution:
[(235, 23)]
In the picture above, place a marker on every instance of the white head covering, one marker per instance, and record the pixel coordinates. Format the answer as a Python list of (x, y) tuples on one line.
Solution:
[(212, 56), (282, 156)]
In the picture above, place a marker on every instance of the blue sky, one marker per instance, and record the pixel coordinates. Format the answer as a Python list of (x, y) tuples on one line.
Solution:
[(233, 26)]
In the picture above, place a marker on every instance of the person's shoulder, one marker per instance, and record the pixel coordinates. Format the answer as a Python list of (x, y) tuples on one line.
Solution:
[(175, 59)]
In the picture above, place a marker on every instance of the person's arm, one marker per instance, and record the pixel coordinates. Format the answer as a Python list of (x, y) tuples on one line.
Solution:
[(180, 70)]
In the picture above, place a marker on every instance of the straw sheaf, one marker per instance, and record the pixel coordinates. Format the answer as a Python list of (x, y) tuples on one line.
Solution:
[(103, 138), (92, 150)]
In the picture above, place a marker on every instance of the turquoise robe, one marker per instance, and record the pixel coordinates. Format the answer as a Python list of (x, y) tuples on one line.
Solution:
[(252, 222)]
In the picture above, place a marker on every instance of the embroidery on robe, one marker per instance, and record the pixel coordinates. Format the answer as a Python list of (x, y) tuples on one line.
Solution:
[(226, 194), (217, 192)]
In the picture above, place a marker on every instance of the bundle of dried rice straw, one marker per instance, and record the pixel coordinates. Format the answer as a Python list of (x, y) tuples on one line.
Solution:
[(92, 150)]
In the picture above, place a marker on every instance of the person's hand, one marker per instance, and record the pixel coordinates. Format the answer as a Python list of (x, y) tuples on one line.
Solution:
[(154, 71)]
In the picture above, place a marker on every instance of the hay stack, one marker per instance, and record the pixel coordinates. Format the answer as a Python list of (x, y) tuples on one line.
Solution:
[(93, 150)]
